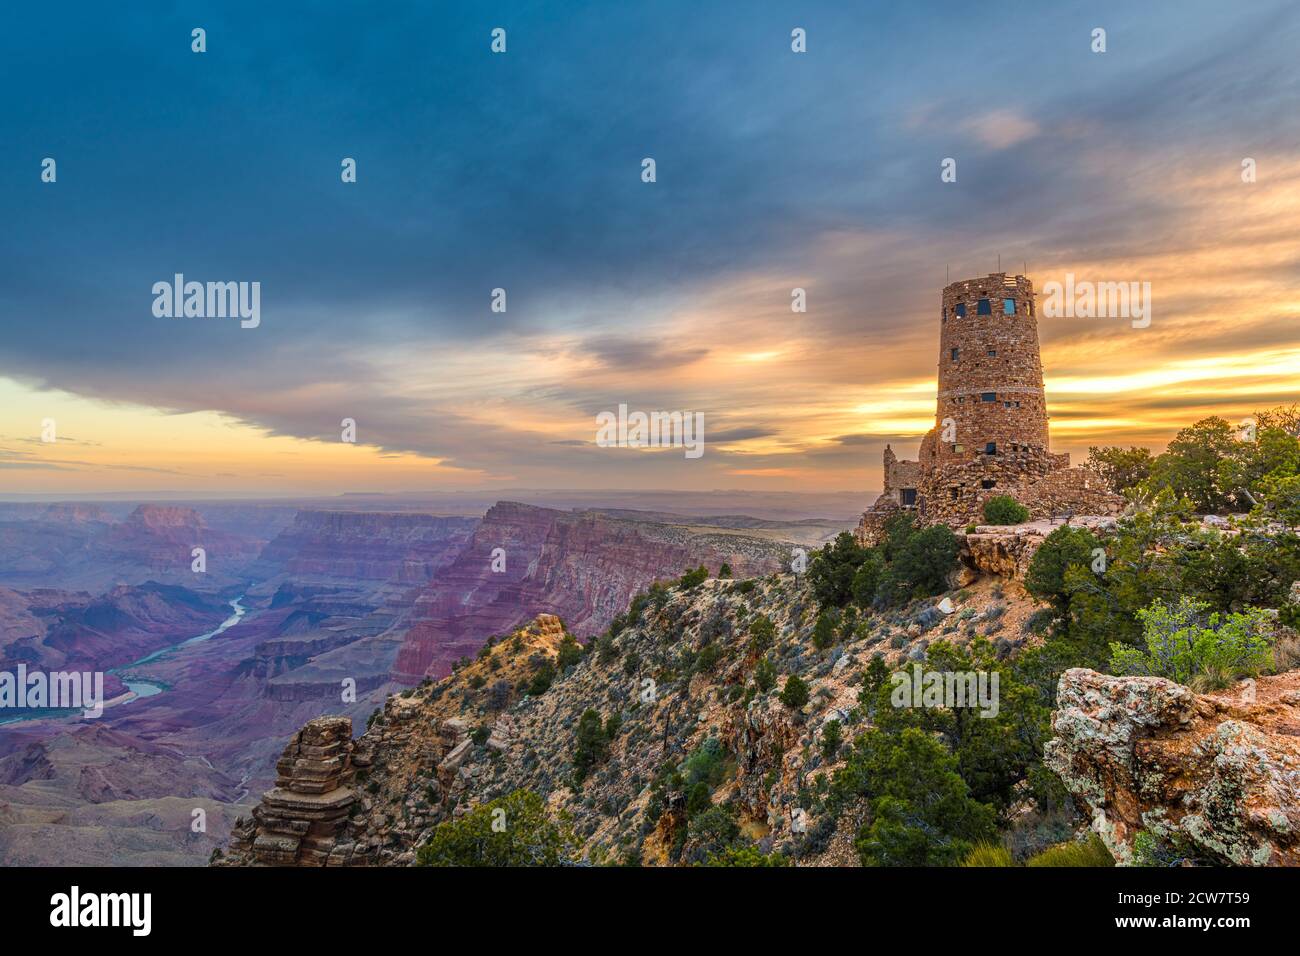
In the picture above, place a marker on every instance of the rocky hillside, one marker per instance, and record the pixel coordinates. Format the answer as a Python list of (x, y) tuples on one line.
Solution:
[(678, 683), (724, 719)]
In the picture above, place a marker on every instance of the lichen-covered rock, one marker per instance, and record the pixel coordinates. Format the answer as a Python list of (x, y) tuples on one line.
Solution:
[(1217, 773)]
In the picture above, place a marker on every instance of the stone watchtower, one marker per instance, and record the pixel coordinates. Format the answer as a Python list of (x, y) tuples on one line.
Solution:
[(990, 435), (990, 400)]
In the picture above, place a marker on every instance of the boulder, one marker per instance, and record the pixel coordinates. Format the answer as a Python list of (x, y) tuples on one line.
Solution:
[(1218, 774)]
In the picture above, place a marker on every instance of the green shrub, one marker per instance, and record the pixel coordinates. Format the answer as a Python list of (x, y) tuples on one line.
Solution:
[(866, 580), (922, 813), (1064, 548), (795, 693), (708, 658), (693, 579), (746, 856), (1003, 509), (698, 799), (569, 654), (520, 834), (712, 831), (1150, 851), (606, 650), (1092, 852), (631, 663), (762, 633), (590, 743), (921, 566), (1186, 645), (765, 675), (832, 569), (832, 736), (824, 631), (707, 764), (542, 679)]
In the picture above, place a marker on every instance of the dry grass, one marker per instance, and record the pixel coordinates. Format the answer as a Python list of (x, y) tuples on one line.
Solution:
[(989, 854), (1090, 853), (1286, 653)]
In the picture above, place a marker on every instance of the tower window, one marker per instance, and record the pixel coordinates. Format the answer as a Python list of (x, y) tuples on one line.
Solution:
[(983, 307), (958, 449), (991, 448), (1008, 306), (988, 396), (954, 494), (993, 353), (909, 497), (955, 353), (961, 310), (987, 483)]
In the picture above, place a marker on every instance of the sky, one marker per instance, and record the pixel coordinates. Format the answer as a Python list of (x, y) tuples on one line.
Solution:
[(522, 170)]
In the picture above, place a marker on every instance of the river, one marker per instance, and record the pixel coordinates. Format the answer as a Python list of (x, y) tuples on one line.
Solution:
[(139, 686), (148, 688)]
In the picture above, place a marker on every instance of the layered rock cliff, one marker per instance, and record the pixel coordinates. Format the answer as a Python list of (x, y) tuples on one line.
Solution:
[(582, 566), (356, 547)]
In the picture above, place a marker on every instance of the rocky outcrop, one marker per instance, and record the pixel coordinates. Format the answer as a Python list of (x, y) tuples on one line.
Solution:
[(1004, 551), (1216, 774), (304, 819), (764, 739), (998, 553)]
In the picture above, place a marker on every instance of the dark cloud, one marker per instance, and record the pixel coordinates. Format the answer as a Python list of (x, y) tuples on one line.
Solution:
[(523, 172)]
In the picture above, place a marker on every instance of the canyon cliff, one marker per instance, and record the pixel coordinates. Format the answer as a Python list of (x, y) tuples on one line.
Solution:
[(583, 567)]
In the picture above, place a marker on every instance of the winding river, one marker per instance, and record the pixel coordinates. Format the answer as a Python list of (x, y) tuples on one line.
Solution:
[(138, 686), (149, 688)]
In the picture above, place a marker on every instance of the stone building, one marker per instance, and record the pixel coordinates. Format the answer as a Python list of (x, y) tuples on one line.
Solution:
[(990, 436)]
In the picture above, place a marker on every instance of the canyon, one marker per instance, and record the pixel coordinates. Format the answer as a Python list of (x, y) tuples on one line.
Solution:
[(343, 609)]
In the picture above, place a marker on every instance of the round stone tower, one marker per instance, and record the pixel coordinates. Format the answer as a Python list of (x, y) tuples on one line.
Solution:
[(990, 403), (990, 433)]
